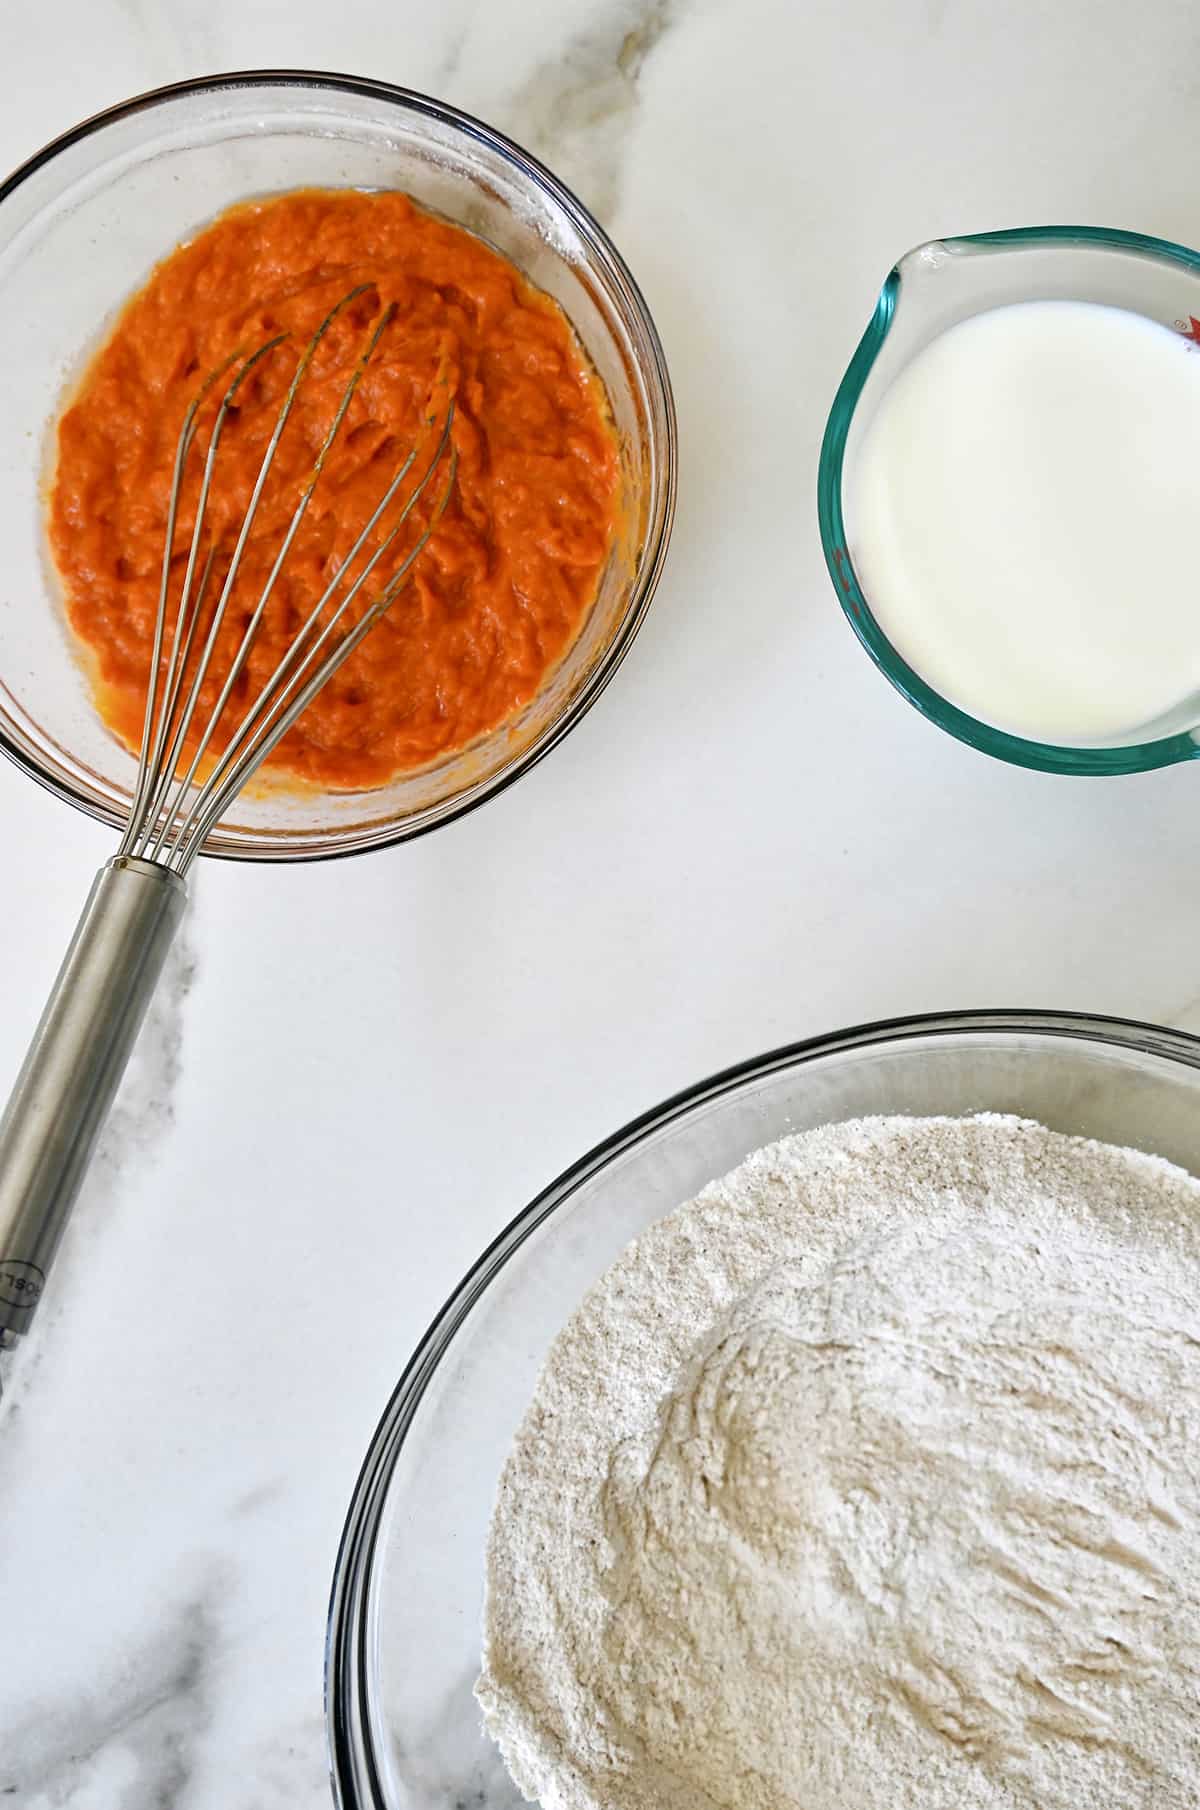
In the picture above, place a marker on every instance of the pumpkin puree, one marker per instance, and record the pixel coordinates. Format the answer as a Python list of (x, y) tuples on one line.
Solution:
[(513, 564)]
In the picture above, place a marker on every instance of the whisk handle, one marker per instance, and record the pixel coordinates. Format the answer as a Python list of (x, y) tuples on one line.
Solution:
[(75, 1062)]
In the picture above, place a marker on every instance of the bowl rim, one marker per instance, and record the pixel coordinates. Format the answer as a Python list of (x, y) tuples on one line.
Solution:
[(353, 1766), (655, 374), (1021, 751)]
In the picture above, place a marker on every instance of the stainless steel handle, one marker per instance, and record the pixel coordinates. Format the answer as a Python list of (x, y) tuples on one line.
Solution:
[(75, 1062)]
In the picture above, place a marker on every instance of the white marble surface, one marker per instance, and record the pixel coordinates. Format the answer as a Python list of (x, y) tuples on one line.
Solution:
[(750, 838)]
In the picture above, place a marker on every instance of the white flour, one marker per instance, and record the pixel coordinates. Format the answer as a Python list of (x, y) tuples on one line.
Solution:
[(869, 1480)]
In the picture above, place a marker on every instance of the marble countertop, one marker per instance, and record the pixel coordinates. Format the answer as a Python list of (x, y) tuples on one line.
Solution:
[(750, 838)]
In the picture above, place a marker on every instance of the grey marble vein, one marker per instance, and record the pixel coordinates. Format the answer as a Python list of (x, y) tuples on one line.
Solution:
[(577, 108), (134, 1744)]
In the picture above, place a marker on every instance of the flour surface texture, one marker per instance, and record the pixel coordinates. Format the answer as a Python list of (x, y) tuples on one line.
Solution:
[(869, 1480)]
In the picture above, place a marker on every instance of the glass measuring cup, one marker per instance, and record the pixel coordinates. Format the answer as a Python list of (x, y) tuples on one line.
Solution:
[(930, 290)]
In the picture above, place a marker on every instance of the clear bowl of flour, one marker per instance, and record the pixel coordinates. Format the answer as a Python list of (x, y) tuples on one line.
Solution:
[(405, 1617)]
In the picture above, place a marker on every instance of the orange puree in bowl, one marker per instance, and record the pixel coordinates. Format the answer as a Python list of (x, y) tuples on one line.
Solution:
[(512, 566)]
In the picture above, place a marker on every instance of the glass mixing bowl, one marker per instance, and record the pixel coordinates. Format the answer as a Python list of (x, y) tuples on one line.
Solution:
[(82, 224), (404, 1624), (931, 289)]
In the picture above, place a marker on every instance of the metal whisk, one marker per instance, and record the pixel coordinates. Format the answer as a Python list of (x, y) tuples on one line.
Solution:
[(186, 782)]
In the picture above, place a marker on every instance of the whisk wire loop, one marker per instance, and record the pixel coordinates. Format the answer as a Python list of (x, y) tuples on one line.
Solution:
[(161, 765), (282, 698), (172, 811)]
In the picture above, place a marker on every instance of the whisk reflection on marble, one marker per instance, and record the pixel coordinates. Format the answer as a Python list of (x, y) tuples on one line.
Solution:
[(192, 766)]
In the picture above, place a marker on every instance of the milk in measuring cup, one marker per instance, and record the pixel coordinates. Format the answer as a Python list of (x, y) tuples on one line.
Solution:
[(1024, 519)]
